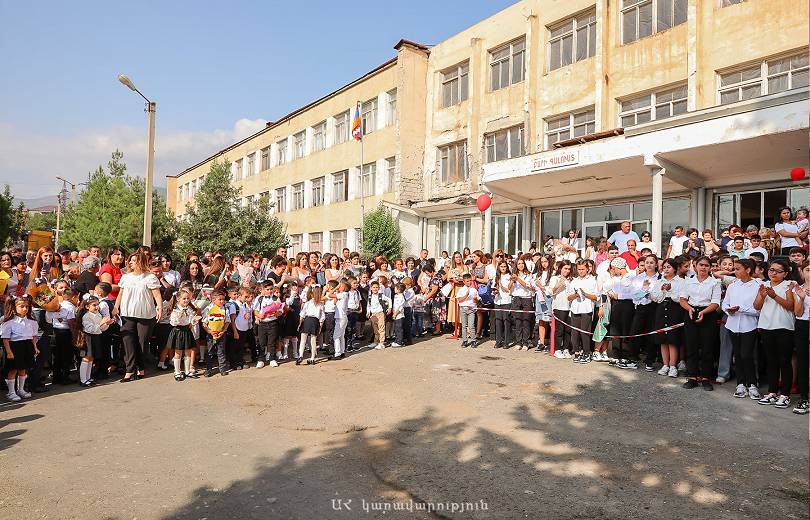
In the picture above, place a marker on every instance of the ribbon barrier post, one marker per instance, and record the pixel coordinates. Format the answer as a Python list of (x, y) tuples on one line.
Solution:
[(553, 329)]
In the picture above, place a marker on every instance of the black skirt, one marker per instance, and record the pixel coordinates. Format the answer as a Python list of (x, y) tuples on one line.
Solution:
[(289, 328), (311, 325), (181, 338), (23, 355), (93, 345), (668, 313)]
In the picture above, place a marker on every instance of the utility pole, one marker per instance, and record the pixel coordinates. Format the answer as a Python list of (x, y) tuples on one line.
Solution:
[(61, 199)]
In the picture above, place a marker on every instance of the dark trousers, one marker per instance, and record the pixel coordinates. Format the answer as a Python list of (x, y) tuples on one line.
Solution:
[(778, 345), (644, 321), (102, 357), (744, 345), (701, 344), (621, 323), (267, 337), (562, 334), (802, 345), (503, 323), (352, 317), (408, 326), (234, 349), (216, 347), (581, 341), (247, 341), (328, 329), (135, 334), (63, 352), (523, 320), (399, 331), (44, 345)]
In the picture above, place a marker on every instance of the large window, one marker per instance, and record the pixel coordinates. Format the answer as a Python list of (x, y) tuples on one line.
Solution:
[(237, 170), (391, 110), (319, 136), (656, 105), (295, 245), (504, 144), (766, 77), (640, 18), (453, 162), (317, 191), (250, 171), (455, 87), (316, 242), (368, 116), (572, 40), (281, 199), (454, 235), (282, 152), (340, 188), (337, 241), (390, 173), (575, 124), (300, 140), (756, 207), (341, 127), (265, 158), (506, 64), (368, 179), (507, 232), (298, 196)]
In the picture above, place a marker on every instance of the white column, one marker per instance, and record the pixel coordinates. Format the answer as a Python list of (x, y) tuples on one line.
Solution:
[(700, 223), (380, 178), (487, 242), (351, 239), (657, 206), (354, 183), (329, 138), (526, 231)]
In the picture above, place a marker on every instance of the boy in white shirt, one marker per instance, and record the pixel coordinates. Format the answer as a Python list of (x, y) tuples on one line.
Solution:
[(398, 315), (379, 306), (676, 243), (467, 302), (64, 322)]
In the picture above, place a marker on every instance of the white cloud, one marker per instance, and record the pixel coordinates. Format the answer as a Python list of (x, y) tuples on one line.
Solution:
[(29, 162)]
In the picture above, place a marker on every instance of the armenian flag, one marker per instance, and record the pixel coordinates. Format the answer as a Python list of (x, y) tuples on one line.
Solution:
[(357, 127)]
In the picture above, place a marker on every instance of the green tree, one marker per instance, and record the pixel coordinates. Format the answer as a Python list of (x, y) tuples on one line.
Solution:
[(11, 218), (109, 212), (217, 221), (46, 221), (381, 235)]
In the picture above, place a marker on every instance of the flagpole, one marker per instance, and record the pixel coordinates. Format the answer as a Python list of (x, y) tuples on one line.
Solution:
[(362, 184)]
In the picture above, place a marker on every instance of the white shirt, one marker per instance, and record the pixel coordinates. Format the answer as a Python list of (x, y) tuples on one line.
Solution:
[(772, 315), (620, 287), (518, 291), (603, 267), (182, 316), (677, 245), (342, 306), (502, 295), (173, 277), (619, 239), (313, 310), (641, 294), (647, 245), (491, 271), (560, 300), (702, 294), (353, 300), (787, 241), (243, 317), (467, 296), (759, 249), (92, 323), (408, 294), (742, 295), (805, 308), (137, 300), (374, 305), (329, 305), (60, 318), (659, 294), (582, 305), (260, 302), (19, 329), (399, 306)]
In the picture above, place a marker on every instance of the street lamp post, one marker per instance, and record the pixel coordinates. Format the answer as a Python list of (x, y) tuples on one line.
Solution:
[(150, 109)]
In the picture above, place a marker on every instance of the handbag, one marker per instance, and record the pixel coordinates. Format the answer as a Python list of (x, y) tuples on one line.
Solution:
[(485, 294), (446, 289)]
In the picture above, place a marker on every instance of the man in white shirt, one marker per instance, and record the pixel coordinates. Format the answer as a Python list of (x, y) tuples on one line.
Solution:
[(756, 247), (620, 238), (676, 243)]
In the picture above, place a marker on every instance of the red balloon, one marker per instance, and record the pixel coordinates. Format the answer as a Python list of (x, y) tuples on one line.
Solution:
[(484, 202), (797, 173)]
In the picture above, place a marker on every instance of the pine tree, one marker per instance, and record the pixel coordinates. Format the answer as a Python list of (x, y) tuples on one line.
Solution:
[(381, 235)]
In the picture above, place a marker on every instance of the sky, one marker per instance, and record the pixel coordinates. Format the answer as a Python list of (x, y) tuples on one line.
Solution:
[(217, 71)]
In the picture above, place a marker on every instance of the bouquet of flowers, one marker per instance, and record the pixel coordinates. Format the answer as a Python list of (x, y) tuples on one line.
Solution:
[(272, 308), (44, 297)]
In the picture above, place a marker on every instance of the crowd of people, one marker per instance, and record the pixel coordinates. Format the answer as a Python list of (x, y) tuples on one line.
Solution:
[(708, 310)]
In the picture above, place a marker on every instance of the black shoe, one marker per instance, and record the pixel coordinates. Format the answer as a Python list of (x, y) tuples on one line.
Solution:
[(179, 377), (497, 345), (298, 361), (127, 379), (193, 375), (540, 348), (464, 344), (310, 361), (707, 385), (475, 343), (691, 383), (209, 373), (585, 359), (224, 372)]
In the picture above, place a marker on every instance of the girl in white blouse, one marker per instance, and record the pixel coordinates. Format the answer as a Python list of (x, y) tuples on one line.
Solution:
[(312, 318), (19, 334), (741, 324), (93, 325), (700, 299), (776, 304), (802, 313), (557, 288), (503, 303), (666, 292)]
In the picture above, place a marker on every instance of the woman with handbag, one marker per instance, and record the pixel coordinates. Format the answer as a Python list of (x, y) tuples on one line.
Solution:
[(478, 269), (454, 277)]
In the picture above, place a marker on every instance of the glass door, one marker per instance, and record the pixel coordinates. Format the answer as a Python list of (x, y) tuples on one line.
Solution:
[(612, 227), (594, 230), (640, 226)]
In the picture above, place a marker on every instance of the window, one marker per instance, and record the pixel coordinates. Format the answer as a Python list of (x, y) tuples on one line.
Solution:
[(179, 193), (340, 188), (455, 87), (368, 176), (237, 170), (317, 192), (766, 77), (249, 201), (282, 152), (368, 116), (640, 18), (319, 137), (316, 241), (341, 127), (337, 241), (507, 232), (649, 107), (506, 64), (281, 200), (298, 196), (391, 112), (726, 3), (295, 245), (300, 140), (453, 158), (575, 124), (251, 165), (572, 40), (265, 158), (504, 144), (390, 173), (454, 235)]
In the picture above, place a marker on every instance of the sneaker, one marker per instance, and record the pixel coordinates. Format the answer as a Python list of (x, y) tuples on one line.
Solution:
[(720, 380), (707, 385), (273, 363), (740, 392), (664, 370), (782, 402), (395, 344), (690, 383), (753, 393), (268, 356), (566, 354), (649, 368), (379, 346), (260, 364), (603, 356), (802, 407), (673, 371), (768, 399), (559, 354), (25, 395), (12, 396), (465, 344), (585, 359), (577, 358), (628, 364)]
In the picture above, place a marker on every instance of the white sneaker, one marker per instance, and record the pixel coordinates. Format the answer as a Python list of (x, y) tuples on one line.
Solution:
[(721, 379), (782, 402), (12, 396), (379, 346), (268, 356), (559, 354), (682, 365), (22, 393), (566, 354), (395, 344), (260, 364), (273, 363), (673, 372), (605, 356), (740, 392), (753, 393), (664, 370)]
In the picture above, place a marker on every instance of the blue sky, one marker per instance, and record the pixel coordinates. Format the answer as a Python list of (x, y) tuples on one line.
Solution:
[(216, 70)]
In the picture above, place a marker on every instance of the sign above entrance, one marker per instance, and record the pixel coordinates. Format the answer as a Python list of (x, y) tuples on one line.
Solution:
[(555, 159)]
